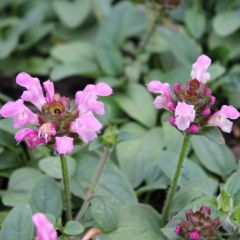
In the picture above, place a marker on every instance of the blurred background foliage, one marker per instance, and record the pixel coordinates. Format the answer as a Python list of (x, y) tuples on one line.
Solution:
[(126, 44)]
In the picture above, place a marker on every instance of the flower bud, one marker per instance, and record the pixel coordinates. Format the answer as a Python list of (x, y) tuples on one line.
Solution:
[(172, 121), (213, 100), (206, 112), (208, 91), (193, 129), (177, 87)]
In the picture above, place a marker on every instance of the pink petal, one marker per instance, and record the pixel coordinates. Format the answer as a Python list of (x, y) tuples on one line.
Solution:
[(87, 100), (64, 145), (103, 89), (199, 69), (49, 88), (156, 86), (86, 126), (30, 136), (229, 112), (19, 112), (90, 122), (185, 114), (34, 93), (44, 228)]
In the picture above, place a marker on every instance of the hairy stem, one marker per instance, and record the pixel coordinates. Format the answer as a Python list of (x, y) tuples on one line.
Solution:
[(174, 182), (92, 187), (66, 185)]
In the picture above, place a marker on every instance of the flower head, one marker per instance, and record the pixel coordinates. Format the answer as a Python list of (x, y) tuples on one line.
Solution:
[(198, 225), (191, 107), (44, 228), (54, 122)]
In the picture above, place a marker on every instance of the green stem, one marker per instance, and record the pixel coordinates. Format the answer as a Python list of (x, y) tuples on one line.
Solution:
[(95, 180), (66, 185), (177, 174)]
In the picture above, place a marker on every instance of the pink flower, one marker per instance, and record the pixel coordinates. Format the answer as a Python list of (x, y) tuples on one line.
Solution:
[(86, 127), (87, 100), (50, 92), (199, 69), (64, 145), (165, 100), (34, 93), (178, 230), (47, 130), (44, 228), (195, 235), (220, 118), (185, 114), (30, 136), (19, 112)]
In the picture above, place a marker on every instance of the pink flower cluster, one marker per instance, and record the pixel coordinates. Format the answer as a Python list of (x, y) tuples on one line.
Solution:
[(191, 107), (198, 225), (53, 122)]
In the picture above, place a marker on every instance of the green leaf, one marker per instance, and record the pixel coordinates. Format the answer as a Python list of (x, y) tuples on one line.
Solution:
[(216, 70), (9, 35), (232, 185), (109, 59), (216, 158), (139, 222), (135, 155), (46, 197), (124, 21), (184, 48), (73, 228), (214, 134), (36, 34), (225, 201), (52, 166), (112, 183), (166, 162), (72, 13), (18, 224), (137, 97), (192, 190), (102, 9), (104, 211), (82, 67), (196, 22), (72, 51), (21, 182), (226, 23)]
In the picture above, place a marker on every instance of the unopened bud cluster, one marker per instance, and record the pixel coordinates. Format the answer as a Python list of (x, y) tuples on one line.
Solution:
[(199, 225)]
